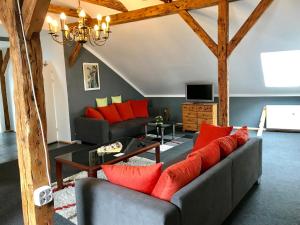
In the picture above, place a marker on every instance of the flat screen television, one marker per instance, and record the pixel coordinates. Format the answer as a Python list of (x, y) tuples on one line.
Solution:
[(199, 92)]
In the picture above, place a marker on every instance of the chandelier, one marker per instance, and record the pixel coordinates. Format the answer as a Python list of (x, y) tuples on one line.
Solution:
[(81, 33)]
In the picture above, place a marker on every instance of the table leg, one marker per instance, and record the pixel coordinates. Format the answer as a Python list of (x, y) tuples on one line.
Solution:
[(92, 173), (157, 131), (157, 154), (162, 135), (146, 130), (59, 178), (174, 131)]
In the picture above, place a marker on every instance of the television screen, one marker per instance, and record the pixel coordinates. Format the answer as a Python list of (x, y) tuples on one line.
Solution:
[(199, 92)]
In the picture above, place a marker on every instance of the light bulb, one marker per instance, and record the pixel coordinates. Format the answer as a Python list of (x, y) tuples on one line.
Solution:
[(107, 19), (103, 26), (66, 28), (96, 27), (82, 14), (49, 19), (99, 17), (63, 16)]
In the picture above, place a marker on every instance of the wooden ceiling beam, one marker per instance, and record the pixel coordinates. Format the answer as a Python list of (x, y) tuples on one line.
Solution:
[(34, 13), (112, 4), (74, 54), (3, 67), (250, 22), (56, 9), (202, 34), (156, 11), (223, 80)]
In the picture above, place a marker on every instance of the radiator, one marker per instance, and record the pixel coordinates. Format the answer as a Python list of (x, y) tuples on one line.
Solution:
[(283, 117)]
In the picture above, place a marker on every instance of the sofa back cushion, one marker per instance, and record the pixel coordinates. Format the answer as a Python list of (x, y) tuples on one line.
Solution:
[(139, 178), (92, 113), (125, 110), (242, 135), (177, 176), (208, 133), (110, 113), (210, 155), (140, 108)]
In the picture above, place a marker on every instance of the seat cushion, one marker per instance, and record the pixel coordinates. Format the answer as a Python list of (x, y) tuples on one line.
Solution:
[(139, 178)]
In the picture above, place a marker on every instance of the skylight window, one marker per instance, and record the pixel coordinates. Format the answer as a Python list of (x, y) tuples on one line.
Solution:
[(281, 69)]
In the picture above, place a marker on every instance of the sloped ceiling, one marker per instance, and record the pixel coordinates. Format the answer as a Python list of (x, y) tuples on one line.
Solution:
[(160, 55)]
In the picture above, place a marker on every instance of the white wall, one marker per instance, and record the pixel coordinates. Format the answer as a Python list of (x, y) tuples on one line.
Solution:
[(53, 54)]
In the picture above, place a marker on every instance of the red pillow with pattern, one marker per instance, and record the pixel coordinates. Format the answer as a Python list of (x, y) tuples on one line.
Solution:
[(227, 145), (242, 135)]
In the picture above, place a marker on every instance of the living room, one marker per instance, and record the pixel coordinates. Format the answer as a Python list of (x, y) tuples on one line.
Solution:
[(119, 109)]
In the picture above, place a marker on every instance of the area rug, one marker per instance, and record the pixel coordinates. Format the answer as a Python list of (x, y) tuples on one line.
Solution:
[(169, 142), (64, 200)]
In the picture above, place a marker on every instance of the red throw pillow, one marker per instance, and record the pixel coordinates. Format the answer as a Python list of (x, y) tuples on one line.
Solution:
[(92, 113), (140, 108), (139, 178), (125, 110), (227, 145), (210, 155), (242, 135), (110, 113), (208, 133), (177, 176)]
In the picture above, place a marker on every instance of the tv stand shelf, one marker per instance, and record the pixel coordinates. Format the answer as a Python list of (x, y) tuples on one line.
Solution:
[(194, 114)]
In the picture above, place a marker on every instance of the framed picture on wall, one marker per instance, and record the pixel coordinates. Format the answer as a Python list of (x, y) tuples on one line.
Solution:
[(91, 76)]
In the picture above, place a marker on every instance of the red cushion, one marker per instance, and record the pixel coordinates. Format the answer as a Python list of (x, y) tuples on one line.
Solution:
[(125, 110), (110, 113), (175, 177), (210, 155), (227, 145), (93, 113), (140, 108), (242, 135), (139, 178), (209, 133)]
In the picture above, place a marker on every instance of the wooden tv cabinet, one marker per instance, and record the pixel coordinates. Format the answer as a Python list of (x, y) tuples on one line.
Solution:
[(194, 114)]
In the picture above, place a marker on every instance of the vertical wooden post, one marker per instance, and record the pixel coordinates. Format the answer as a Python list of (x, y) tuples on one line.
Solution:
[(223, 38), (3, 66), (31, 154)]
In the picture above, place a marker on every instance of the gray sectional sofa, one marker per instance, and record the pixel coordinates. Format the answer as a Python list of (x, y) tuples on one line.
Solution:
[(100, 131), (207, 200)]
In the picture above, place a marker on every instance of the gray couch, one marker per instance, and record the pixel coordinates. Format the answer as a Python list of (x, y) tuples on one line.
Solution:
[(100, 131), (207, 200)]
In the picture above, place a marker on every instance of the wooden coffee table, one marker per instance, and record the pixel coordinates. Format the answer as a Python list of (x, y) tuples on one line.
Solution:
[(88, 160)]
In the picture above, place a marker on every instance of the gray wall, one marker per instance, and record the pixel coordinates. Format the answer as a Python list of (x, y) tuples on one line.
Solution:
[(111, 84), (243, 110)]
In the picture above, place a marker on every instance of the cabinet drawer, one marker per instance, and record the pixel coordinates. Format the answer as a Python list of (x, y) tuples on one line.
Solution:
[(192, 114), (205, 108), (190, 127), (205, 115), (189, 108), (190, 120)]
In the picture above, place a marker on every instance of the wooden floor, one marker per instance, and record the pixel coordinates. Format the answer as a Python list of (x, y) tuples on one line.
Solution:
[(8, 147)]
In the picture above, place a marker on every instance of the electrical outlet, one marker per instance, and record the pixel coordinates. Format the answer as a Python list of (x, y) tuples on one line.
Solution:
[(42, 196)]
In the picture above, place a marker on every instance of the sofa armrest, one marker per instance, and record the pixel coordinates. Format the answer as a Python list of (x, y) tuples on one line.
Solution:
[(102, 203), (195, 136), (91, 130)]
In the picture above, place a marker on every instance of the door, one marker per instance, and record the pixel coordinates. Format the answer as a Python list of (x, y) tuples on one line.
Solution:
[(50, 104)]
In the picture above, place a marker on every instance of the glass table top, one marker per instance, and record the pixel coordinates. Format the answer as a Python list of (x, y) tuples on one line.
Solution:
[(89, 156)]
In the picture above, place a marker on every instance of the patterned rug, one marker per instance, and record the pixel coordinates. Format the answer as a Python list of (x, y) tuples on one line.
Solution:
[(64, 200)]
